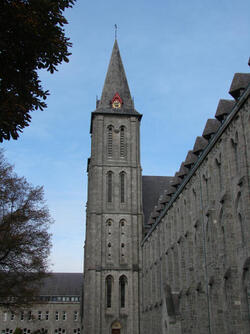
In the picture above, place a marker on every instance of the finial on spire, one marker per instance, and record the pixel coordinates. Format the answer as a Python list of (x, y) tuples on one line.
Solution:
[(115, 31)]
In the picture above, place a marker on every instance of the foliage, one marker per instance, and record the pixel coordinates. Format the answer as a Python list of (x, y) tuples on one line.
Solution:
[(18, 331), (24, 238), (31, 38)]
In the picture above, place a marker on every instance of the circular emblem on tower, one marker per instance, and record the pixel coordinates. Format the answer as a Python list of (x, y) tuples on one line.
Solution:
[(116, 101)]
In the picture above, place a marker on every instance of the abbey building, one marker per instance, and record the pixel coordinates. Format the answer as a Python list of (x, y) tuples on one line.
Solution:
[(167, 255), (163, 254)]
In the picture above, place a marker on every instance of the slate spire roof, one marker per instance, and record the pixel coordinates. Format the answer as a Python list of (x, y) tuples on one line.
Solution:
[(116, 82)]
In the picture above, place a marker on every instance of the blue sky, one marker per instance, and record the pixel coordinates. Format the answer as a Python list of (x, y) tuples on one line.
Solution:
[(179, 56)]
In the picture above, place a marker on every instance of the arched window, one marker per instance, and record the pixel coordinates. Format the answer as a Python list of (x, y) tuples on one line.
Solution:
[(110, 141), (122, 283), (122, 142), (109, 284), (109, 187), (122, 187)]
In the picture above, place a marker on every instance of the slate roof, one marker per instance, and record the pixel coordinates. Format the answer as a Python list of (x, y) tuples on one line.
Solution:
[(152, 188), (116, 82), (62, 284)]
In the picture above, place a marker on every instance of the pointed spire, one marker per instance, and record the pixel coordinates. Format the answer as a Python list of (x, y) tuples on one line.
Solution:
[(116, 83)]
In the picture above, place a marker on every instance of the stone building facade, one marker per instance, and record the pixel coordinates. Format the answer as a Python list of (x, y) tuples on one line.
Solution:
[(196, 256), (163, 254), (167, 255), (57, 309)]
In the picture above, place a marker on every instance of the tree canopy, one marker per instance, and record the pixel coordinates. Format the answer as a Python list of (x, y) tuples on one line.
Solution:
[(31, 38), (24, 238)]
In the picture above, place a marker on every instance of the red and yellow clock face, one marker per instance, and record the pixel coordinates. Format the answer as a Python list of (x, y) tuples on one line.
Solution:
[(116, 101), (116, 104)]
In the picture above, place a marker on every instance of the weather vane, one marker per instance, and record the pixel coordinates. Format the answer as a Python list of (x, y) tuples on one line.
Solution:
[(115, 31)]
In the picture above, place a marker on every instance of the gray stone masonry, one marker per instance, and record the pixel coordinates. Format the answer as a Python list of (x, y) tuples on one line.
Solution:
[(196, 258)]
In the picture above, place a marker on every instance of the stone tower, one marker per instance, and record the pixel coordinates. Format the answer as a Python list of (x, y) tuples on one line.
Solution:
[(114, 210)]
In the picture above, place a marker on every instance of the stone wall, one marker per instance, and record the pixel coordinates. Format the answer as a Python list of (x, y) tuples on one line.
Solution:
[(196, 258)]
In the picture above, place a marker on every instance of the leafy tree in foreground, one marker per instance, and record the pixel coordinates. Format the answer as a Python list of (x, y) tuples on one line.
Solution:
[(24, 238), (31, 38)]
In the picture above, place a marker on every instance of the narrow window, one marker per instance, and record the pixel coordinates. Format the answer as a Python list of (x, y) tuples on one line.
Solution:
[(39, 315), (47, 315), (122, 187), (109, 186), (57, 315), (78, 331), (122, 290), (110, 141), (109, 290), (64, 315), (29, 315), (109, 227), (218, 164), (122, 142), (22, 316), (75, 316), (234, 142), (12, 316)]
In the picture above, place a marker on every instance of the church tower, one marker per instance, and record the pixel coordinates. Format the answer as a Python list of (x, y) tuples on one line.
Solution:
[(114, 210)]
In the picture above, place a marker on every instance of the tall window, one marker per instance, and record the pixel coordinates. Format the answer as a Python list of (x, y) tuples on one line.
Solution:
[(109, 282), (110, 141), (123, 281), (122, 142), (109, 186), (122, 187)]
